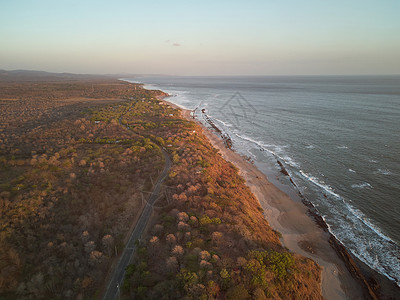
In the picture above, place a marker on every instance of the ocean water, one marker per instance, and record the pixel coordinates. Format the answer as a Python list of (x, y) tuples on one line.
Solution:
[(337, 136)]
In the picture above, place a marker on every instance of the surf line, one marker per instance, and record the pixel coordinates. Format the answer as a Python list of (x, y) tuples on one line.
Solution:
[(335, 243)]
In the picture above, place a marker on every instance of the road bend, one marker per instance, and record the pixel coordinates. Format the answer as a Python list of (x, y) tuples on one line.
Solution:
[(114, 287)]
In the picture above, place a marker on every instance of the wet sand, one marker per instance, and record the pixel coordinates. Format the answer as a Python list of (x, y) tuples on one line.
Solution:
[(288, 215)]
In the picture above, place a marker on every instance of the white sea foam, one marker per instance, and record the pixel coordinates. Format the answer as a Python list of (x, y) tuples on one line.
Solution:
[(251, 154), (356, 212), (176, 97), (320, 184), (379, 254), (288, 160), (171, 99), (150, 87), (179, 98), (361, 185), (365, 244), (383, 172), (342, 147), (224, 123), (277, 152), (310, 147)]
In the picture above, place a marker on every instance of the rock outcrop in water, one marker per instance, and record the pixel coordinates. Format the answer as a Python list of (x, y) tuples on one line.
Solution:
[(224, 136)]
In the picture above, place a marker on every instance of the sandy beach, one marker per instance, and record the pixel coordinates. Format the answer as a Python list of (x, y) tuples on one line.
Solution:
[(288, 215)]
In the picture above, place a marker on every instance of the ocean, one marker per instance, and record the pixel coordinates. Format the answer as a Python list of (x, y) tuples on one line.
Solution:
[(338, 137)]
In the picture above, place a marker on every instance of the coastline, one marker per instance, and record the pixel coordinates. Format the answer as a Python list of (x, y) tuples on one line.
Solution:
[(289, 216)]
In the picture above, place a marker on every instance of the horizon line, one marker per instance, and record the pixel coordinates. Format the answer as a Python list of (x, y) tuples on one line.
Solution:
[(193, 75)]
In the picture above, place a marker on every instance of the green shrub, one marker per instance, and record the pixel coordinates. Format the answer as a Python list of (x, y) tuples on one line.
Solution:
[(225, 278), (130, 269), (280, 263), (238, 292), (191, 261), (187, 278), (205, 220), (277, 262)]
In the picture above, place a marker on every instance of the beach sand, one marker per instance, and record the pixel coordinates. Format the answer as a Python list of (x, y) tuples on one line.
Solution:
[(288, 215)]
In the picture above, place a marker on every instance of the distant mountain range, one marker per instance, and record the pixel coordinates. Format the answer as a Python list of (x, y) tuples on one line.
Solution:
[(32, 75)]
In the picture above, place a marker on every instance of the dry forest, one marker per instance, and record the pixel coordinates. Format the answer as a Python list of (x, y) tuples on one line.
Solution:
[(77, 160)]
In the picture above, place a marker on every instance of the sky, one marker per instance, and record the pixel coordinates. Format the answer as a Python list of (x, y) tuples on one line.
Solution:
[(218, 37)]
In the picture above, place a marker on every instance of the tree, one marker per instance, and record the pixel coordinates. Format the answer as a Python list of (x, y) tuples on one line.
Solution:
[(237, 292), (172, 264), (108, 243), (171, 239), (177, 251), (90, 246)]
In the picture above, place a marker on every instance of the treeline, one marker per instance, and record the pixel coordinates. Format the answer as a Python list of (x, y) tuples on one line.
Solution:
[(63, 90)]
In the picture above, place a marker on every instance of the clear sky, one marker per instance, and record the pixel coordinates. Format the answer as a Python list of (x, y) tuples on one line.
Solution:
[(266, 37)]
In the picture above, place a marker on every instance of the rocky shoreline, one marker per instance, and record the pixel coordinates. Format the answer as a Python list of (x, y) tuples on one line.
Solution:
[(370, 280), (224, 136)]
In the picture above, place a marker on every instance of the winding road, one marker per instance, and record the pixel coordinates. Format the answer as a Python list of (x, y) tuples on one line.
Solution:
[(113, 288)]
